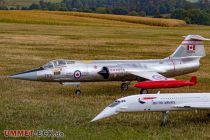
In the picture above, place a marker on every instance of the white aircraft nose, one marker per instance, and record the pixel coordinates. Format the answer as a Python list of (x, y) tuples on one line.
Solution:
[(25, 76), (107, 112)]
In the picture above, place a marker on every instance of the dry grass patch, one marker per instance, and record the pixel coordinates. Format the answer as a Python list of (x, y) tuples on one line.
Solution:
[(65, 18), (129, 19)]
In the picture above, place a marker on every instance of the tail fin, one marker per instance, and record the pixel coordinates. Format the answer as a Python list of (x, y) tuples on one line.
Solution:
[(193, 80), (191, 46)]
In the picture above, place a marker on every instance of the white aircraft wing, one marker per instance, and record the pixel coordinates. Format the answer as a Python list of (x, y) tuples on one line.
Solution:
[(195, 105), (153, 76)]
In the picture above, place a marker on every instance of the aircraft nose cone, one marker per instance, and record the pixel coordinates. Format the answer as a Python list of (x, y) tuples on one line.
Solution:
[(107, 112), (25, 76)]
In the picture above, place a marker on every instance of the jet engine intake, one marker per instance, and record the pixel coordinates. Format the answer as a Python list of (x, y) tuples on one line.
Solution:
[(104, 72), (112, 72)]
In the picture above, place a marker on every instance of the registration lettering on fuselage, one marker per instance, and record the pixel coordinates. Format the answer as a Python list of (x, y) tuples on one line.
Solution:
[(162, 102)]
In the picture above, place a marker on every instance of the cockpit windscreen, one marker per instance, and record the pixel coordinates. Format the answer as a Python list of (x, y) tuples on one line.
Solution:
[(57, 63)]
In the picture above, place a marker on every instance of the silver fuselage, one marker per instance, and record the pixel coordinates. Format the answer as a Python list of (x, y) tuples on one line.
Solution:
[(88, 71), (185, 59)]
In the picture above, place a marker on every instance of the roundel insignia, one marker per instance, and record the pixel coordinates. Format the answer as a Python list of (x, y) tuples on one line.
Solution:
[(159, 77), (77, 74)]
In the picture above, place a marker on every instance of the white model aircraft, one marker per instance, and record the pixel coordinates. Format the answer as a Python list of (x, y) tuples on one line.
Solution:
[(157, 102)]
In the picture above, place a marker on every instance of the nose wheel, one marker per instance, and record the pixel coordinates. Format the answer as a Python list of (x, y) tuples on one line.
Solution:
[(78, 92), (144, 91), (124, 86)]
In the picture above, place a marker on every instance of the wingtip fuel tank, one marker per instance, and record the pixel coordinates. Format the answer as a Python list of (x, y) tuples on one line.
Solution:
[(166, 83)]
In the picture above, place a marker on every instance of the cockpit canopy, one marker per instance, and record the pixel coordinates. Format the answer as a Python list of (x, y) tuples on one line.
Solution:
[(57, 63), (117, 102)]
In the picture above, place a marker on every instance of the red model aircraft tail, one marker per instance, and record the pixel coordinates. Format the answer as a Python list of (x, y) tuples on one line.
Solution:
[(193, 80)]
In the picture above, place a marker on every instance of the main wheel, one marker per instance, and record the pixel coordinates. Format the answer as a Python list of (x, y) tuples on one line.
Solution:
[(78, 92), (124, 86), (143, 91)]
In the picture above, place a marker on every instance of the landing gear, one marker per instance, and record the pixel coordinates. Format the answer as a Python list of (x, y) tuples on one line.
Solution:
[(124, 86), (143, 91), (78, 92), (76, 84), (165, 118)]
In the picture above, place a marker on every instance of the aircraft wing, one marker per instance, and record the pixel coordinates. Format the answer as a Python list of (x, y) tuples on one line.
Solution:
[(153, 76), (195, 105)]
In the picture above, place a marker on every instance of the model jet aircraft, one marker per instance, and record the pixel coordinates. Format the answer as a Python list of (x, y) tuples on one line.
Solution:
[(166, 83), (186, 59), (157, 102)]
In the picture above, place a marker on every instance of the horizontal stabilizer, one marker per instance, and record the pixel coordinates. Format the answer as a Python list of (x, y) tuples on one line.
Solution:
[(195, 38)]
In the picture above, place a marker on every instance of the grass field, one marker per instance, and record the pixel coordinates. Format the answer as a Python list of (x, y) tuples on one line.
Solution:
[(36, 105), (13, 3), (129, 19), (66, 18)]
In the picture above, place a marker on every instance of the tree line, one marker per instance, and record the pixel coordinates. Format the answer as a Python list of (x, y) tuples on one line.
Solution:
[(194, 13)]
